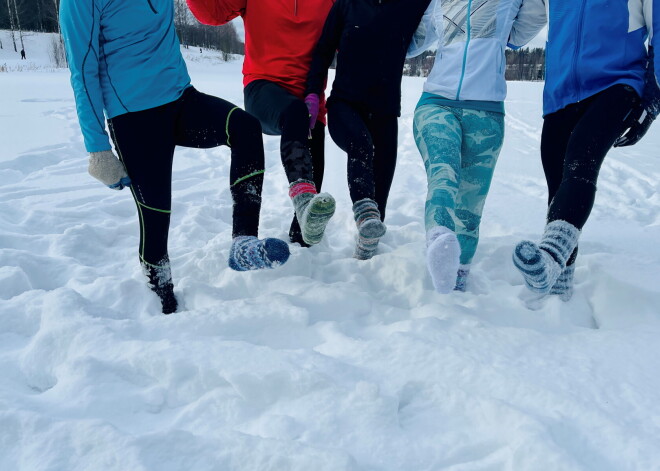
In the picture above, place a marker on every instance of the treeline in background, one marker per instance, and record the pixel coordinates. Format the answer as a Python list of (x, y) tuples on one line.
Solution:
[(522, 64), (24, 16)]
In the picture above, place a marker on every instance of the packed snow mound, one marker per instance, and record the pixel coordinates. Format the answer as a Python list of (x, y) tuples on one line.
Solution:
[(327, 363)]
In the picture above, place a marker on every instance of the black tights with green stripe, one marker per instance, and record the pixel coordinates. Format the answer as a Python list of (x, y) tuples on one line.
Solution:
[(145, 142)]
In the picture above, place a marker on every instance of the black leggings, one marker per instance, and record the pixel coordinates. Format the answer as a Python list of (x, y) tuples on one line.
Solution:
[(370, 142), (574, 143), (282, 113), (145, 142)]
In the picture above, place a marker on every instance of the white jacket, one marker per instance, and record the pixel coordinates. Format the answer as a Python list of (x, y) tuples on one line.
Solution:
[(472, 36)]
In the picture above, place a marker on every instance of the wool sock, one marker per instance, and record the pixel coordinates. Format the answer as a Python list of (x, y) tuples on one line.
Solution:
[(249, 253), (442, 258), (541, 265), (461, 277), (563, 287), (312, 210), (370, 228)]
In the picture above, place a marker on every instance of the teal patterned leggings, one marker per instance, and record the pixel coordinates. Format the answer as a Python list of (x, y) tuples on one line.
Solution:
[(460, 149)]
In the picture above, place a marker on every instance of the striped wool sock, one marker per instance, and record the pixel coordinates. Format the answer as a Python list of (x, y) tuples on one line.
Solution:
[(312, 210), (563, 287), (370, 228), (541, 265), (250, 253)]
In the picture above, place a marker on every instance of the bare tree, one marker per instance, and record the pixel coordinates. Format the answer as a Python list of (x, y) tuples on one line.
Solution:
[(18, 23), (11, 24)]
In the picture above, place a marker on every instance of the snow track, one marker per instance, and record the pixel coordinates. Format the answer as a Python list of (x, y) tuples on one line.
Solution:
[(326, 363)]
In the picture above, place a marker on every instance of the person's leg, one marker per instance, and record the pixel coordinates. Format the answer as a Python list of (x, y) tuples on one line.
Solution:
[(204, 121), (483, 135), (385, 135), (439, 135), (317, 148), (601, 123), (281, 113), (144, 143), (350, 132)]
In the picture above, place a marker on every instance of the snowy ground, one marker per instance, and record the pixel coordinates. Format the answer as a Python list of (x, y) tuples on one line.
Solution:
[(326, 363)]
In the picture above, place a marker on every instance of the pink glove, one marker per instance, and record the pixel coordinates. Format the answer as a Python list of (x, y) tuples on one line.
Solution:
[(312, 101)]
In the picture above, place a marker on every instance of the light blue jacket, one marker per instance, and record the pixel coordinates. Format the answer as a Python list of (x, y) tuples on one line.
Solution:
[(472, 36), (595, 44), (124, 56)]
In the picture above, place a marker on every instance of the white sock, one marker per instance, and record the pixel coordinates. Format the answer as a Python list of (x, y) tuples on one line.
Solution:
[(443, 254)]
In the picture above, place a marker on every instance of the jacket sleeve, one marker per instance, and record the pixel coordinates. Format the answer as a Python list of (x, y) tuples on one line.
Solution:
[(532, 17), (324, 51), (425, 35), (216, 12), (80, 22), (652, 19)]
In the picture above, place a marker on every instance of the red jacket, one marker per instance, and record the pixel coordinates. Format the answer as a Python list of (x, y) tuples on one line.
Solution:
[(280, 36)]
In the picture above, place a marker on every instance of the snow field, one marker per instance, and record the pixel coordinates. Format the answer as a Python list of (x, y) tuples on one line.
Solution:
[(326, 363)]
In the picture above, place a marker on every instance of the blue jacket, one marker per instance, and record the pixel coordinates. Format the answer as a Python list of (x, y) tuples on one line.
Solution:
[(595, 44), (124, 56)]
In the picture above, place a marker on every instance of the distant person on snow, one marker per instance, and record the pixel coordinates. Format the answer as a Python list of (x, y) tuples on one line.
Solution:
[(23, 54), (279, 38), (459, 120), (600, 91), (125, 60), (372, 37)]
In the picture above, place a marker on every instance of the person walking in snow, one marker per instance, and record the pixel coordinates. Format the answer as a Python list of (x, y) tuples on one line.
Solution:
[(23, 54), (600, 91), (279, 38), (459, 120), (372, 37), (125, 60)]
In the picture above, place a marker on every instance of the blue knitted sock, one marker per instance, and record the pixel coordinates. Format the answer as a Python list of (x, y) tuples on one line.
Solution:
[(563, 287), (250, 253), (541, 265)]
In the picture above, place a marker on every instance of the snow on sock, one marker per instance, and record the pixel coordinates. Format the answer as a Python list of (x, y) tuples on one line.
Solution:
[(461, 278), (443, 254), (563, 287), (370, 228), (542, 264), (250, 253), (313, 210), (160, 282)]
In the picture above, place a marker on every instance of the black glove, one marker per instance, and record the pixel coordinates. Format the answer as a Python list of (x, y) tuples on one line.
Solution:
[(640, 121), (640, 118)]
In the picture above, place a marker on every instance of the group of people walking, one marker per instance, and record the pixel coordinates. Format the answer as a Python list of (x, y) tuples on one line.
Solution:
[(127, 71)]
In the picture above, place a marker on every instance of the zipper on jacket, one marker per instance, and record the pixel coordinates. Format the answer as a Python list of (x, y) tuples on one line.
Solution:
[(467, 45), (151, 5), (295, 7), (576, 53)]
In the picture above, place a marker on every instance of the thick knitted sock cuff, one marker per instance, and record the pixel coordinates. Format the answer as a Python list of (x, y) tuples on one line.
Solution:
[(559, 240), (301, 186)]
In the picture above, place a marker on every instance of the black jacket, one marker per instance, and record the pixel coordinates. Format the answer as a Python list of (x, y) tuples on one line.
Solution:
[(372, 37)]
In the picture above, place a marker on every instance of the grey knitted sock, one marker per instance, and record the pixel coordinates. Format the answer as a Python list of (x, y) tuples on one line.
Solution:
[(541, 265), (370, 228)]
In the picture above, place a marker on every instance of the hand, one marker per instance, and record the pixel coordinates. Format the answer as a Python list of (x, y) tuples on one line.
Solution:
[(106, 168), (312, 101), (639, 122)]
